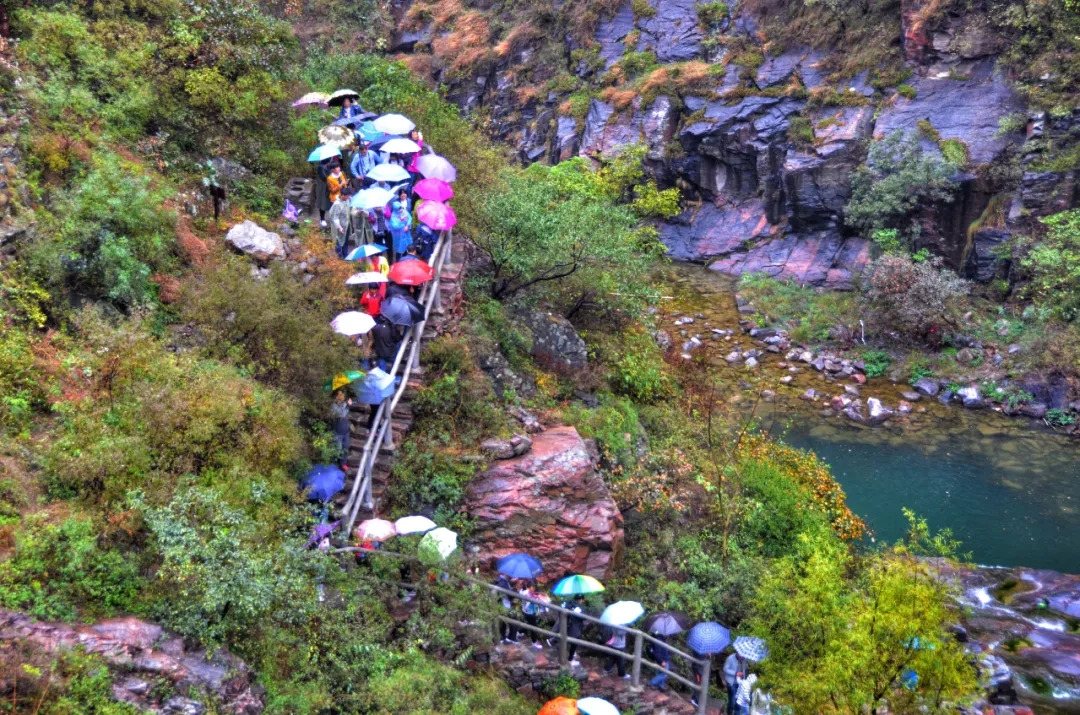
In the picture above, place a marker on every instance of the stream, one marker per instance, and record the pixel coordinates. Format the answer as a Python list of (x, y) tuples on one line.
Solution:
[(1007, 487)]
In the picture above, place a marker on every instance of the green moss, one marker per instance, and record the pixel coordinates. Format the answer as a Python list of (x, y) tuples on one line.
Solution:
[(927, 130), (800, 131), (711, 14), (954, 151), (642, 9), (906, 91)]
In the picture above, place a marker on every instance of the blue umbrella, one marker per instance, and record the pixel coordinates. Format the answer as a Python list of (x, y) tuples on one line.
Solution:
[(519, 566), (323, 152), (365, 251), (323, 482), (348, 122), (708, 638), (374, 388), (368, 132), (753, 649)]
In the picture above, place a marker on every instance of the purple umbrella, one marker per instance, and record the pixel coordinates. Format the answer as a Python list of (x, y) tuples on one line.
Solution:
[(433, 166), (320, 532)]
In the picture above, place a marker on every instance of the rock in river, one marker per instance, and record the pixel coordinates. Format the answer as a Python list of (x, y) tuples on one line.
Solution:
[(927, 386), (552, 500)]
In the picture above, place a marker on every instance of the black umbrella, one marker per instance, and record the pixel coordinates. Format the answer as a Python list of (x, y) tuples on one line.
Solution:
[(666, 623), (338, 97), (401, 311), (379, 141)]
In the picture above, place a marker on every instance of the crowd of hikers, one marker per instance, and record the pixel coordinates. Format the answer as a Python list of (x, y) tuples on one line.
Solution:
[(736, 676), (369, 196)]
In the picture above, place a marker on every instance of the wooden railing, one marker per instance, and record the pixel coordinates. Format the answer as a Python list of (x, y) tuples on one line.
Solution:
[(381, 432), (636, 658)]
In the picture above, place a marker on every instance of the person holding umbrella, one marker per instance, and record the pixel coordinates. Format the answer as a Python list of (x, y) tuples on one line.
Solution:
[(417, 136), (531, 611), (350, 108), (384, 342), (507, 631), (400, 229), (662, 655), (371, 300), (322, 190), (734, 670)]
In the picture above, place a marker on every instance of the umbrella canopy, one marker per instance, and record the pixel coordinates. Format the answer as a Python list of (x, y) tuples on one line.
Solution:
[(577, 585), (437, 545), (411, 273), (433, 190), (312, 98), (373, 389), (373, 198), (368, 132), (413, 525), (323, 482), (360, 279), (433, 166), (400, 311), (380, 139), (596, 706), (708, 638), (350, 122), (323, 152), (320, 532), (666, 623), (437, 215), (365, 251), (751, 648), (342, 379), (401, 146), (394, 124), (340, 137), (375, 530), (519, 566), (352, 322), (622, 613), (388, 173), (338, 98), (560, 706)]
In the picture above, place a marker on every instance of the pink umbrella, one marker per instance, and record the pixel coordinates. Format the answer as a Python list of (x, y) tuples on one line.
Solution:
[(312, 98), (437, 215), (434, 166), (433, 190)]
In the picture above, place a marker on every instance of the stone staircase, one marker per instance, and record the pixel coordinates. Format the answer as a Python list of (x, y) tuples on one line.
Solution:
[(440, 320)]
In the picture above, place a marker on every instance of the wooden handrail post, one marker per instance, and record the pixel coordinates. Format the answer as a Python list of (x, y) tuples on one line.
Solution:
[(635, 674), (703, 696), (564, 657)]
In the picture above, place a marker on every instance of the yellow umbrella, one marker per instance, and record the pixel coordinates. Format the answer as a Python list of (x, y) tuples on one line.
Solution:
[(342, 379)]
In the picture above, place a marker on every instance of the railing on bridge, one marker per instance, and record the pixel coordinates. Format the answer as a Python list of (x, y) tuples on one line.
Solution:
[(636, 658), (381, 432)]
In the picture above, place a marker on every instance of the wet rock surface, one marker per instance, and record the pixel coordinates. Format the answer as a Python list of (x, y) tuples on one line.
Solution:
[(146, 653), (553, 499), (554, 339), (255, 241)]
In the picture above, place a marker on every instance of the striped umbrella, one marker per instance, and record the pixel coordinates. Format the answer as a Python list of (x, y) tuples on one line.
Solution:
[(751, 648), (577, 585), (708, 638)]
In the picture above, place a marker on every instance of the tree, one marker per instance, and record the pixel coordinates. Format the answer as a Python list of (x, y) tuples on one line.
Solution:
[(1054, 265), (845, 631), (895, 180), (559, 229), (914, 299)]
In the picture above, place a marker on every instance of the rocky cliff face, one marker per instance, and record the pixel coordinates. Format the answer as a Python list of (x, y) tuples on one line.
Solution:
[(550, 502), (717, 123)]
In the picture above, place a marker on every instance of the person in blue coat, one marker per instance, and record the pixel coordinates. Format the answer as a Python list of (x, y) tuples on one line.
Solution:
[(400, 228), (363, 161), (350, 109)]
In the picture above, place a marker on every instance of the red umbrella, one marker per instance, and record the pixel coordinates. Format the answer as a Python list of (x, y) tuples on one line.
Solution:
[(433, 190), (437, 215), (411, 273)]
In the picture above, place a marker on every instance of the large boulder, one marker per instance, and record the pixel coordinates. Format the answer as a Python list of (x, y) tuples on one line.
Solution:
[(823, 259), (554, 339), (250, 238), (550, 502), (711, 231)]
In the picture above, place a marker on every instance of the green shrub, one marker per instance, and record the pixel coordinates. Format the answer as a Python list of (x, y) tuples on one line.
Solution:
[(613, 424), (800, 131), (58, 571), (896, 179), (779, 509), (711, 14), (906, 91), (641, 377), (1054, 265), (914, 299), (954, 151), (1059, 418), (876, 361)]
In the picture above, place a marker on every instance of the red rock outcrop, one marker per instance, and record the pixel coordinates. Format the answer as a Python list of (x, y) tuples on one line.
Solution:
[(549, 502)]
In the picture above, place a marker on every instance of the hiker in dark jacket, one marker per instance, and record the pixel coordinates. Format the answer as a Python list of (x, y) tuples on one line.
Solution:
[(507, 631), (661, 654)]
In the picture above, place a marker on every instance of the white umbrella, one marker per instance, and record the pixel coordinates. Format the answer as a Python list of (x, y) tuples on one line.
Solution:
[(373, 198), (433, 166), (376, 530), (359, 279), (622, 613), (394, 124), (596, 706), (414, 525), (401, 146), (388, 173), (437, 545), (352, 322)]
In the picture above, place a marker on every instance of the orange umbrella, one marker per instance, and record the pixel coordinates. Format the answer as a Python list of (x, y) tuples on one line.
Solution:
[(560, 706)]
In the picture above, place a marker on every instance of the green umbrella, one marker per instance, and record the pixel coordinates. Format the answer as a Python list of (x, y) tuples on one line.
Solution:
[(436, 546), (342, 379)]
